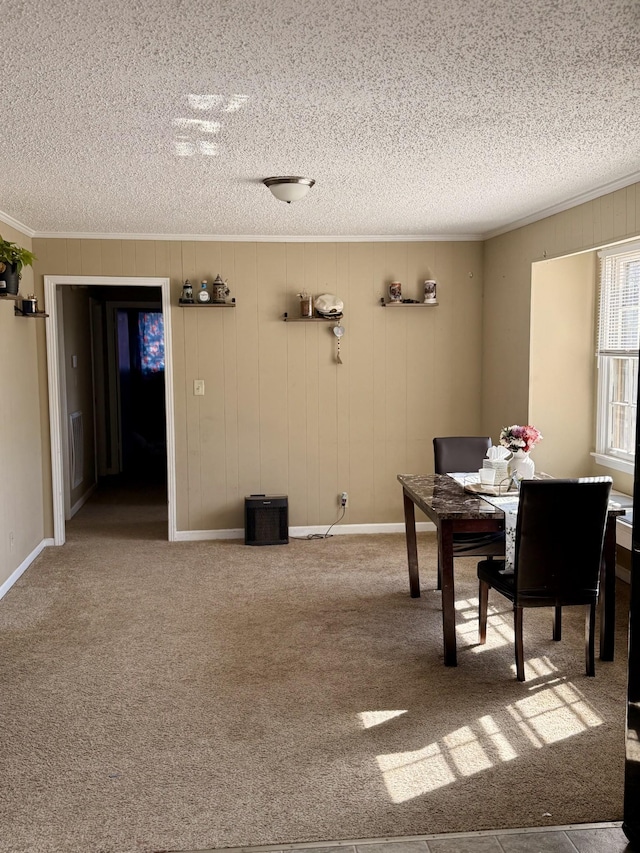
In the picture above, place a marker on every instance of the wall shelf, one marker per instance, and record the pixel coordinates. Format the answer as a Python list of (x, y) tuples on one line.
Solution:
[(288, 319), (182, 304), (406, 304), (36, 315)]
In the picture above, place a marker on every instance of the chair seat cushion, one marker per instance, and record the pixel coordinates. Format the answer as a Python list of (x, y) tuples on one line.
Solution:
[(495, 574)]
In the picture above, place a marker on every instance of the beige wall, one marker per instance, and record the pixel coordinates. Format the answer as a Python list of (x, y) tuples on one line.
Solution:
[(507, 297), (562, 363), (279, 415), (21, 488)]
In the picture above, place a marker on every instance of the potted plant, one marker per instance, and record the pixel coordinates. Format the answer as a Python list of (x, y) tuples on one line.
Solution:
[(12, 259)]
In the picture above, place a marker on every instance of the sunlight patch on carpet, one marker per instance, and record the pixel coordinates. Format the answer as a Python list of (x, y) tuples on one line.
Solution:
[(464, 752), (376, 718), (553, 714), (549, 714)]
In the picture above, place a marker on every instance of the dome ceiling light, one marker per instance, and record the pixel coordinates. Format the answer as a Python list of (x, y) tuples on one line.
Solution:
[(289, 188)]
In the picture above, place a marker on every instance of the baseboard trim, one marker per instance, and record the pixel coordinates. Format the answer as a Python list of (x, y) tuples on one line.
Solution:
[(24, 565), (346, 529), (204, 535), (338, 530), (82, 501)]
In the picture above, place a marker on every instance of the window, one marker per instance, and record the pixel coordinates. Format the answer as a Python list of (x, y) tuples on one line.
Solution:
[(618, 343)]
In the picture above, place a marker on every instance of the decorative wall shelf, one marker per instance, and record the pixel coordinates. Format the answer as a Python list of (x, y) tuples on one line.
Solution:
[(288, 319), (231, 304), (37, 315), (406, 304)]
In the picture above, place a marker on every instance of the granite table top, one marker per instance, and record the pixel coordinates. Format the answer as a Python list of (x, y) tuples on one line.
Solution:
[(438, 495)]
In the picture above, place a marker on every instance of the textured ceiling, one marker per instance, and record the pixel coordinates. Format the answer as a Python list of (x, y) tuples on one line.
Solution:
[(415, 117)]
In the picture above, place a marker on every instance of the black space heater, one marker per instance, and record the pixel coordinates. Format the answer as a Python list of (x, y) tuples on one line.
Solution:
[(266, 520)]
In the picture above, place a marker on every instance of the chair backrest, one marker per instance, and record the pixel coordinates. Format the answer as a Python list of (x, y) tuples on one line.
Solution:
[(459, 453), (559, 540)]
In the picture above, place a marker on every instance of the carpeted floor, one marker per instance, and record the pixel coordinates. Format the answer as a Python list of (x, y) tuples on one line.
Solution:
[(180, 696)]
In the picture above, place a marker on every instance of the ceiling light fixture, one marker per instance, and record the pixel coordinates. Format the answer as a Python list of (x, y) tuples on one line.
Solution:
[(289, 188)]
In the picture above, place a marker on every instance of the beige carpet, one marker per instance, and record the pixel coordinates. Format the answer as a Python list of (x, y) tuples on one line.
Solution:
[(183, 696)]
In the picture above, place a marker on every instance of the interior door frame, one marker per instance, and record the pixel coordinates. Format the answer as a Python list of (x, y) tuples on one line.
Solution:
[(51, 283)]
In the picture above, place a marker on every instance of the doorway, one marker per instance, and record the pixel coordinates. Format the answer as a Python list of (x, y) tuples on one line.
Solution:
[(133, 392)]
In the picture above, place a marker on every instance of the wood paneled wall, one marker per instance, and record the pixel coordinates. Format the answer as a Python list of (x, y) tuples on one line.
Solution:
[(279, 414)]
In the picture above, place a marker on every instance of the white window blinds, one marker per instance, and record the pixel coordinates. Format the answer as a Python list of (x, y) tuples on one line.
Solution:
[(619, 315)]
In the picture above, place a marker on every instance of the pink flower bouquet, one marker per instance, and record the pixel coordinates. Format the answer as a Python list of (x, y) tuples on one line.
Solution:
[(516, 438)]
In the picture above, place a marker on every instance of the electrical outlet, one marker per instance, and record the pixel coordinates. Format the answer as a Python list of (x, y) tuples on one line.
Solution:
[(344, 497), (12, 543)]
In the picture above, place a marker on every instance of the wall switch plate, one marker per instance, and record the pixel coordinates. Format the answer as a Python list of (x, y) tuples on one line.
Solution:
[(198, 387)]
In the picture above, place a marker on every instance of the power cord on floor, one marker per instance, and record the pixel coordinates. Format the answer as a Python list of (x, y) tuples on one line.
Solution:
[(326, 535)]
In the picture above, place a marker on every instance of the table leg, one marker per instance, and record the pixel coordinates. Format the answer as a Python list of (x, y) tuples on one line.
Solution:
[(608, 592), (412, 545), (445, 559)]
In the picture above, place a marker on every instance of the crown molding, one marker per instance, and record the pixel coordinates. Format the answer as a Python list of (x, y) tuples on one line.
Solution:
[(543, 213), (575, 201), (19, 226), (266, 238)]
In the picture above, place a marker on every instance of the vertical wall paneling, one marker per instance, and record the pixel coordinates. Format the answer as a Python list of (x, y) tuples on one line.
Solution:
[(55, 253), (620, 212), (162, 251), (192, 359), (362, 381), (300, 383), (586, 214), (145, 253), (129, 265), (247, 358), (607, 211), (383, 331), (74, 259), (343, 373), (211, 408), (90, 257), (316, 352), (279, 414), (111, 257), (328, 370), (630, 199), (272, 434), (233, 499), (179, 368), (398, 324)]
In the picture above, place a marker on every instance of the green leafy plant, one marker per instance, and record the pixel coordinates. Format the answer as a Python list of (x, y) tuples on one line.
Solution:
[(11, 253)]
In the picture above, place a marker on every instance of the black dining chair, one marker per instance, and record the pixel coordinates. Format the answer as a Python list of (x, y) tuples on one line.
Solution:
[(556, 563), (464, 453)]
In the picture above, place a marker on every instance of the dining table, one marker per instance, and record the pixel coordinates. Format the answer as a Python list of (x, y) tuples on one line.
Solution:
[(453, 509)]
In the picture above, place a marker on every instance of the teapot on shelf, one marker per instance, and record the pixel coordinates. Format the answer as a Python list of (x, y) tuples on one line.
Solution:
[(219, 290)]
